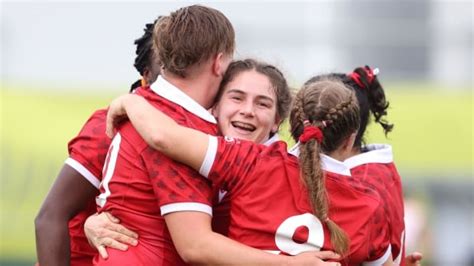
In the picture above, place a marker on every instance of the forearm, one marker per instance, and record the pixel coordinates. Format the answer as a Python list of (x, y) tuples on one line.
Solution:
[(197, 244), (61, 204), (52, 240), (216, 249)]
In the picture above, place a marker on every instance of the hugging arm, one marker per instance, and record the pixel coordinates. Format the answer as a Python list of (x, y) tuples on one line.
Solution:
[(61, 204), (190, 230), (161, 132)]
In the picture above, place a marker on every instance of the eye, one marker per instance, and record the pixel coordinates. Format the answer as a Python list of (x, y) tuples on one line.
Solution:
[(264, 104), (236, 98)]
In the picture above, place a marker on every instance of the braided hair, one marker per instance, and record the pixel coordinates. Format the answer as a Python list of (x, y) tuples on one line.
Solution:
[(331, 107), (145, 57)]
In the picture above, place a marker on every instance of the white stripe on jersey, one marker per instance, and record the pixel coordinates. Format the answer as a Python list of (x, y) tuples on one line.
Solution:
[(185, 206), (83, 171)]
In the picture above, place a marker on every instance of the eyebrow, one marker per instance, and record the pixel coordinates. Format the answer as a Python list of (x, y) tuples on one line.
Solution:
[(264, 97)]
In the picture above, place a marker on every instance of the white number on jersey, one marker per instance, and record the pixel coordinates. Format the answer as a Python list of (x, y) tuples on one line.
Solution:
[(108, 171), (285, 232)]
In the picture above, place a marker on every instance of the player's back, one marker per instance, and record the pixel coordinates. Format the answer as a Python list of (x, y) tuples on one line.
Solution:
[(87, 153), (270, 205), (359, 212), (376, 169), (135, 176)]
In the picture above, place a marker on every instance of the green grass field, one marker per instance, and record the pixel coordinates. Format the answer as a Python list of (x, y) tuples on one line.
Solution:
[(432, 139)]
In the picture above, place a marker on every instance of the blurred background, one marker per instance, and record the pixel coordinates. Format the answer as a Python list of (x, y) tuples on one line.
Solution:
[(62, 60)]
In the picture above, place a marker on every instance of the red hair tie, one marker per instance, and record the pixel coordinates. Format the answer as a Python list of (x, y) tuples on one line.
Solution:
[(370, 76), (311, 132)]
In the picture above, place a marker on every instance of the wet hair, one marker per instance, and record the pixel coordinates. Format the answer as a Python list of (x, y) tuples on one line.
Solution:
[(190, 36), (370, 95), (276, 77), (332, 107), (145, 59)]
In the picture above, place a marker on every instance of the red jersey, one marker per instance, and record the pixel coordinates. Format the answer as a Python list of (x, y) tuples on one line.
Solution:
[(221, 206), (87, 152), (270, 208), (376, 169), (140, 184)]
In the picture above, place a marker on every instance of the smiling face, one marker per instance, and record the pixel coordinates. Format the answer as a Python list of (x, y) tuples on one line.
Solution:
[(247, 108)]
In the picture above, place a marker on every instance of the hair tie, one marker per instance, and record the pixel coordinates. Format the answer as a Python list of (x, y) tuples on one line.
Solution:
[(311, 132), (371, 74)]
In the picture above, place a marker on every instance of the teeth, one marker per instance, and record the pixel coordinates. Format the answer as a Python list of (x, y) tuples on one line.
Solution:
[(244, 126)]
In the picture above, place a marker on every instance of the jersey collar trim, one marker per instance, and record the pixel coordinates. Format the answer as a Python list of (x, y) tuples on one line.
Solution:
[(377, 153), (334, 166), (272, 140), (327, 163), (173, 94)]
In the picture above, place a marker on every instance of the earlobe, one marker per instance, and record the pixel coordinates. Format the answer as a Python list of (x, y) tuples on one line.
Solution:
[(276, 126)]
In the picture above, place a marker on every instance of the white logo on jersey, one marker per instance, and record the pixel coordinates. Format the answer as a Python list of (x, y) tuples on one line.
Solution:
[(109, 168), (222, 194), (284, 234)]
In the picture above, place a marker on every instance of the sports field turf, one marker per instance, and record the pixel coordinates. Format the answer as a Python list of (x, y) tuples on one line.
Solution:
[(432, 139)]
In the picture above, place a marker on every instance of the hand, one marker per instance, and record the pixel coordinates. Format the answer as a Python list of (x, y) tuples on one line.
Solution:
[(103, 230), (115, 114), (414, 259), (315, 258)]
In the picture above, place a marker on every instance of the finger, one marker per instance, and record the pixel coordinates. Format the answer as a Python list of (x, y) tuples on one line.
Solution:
[(109, 126), (112, 218), (124, 239), (327, 254), (111, 243), (103, 252), (124, 231)]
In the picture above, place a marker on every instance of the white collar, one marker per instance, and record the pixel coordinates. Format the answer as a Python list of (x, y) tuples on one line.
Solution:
[(377, 153), (173, 94), (327, 163), (271, 140), (332, 165)]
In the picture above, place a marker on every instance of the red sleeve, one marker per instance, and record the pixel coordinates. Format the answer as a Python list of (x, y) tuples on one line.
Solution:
[(177, 186), (229, 161), (87, 151)]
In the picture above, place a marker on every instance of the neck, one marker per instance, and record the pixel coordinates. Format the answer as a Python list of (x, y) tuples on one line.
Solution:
[(337, 155), (355, 151), (200, 88)]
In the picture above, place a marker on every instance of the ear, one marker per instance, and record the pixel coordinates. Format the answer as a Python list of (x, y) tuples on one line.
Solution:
[(218, 64), (213, 111), (276, 125)]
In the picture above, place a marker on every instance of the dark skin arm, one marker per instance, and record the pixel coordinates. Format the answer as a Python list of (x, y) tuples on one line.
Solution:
[(70, 193)]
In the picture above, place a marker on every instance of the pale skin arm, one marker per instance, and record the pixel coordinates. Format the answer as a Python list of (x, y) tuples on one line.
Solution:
[(191, 231), (183, 144)]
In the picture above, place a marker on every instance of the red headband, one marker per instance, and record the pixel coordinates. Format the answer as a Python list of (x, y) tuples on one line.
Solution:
[(370, 76), (311, 132)]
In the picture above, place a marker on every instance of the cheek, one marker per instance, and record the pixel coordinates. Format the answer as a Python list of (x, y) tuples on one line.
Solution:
[(267, 120)]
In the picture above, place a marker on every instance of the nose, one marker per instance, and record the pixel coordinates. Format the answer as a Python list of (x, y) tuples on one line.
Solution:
[(247, 109)]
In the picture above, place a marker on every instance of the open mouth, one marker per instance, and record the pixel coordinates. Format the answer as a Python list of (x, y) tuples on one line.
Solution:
[(243, 126)]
